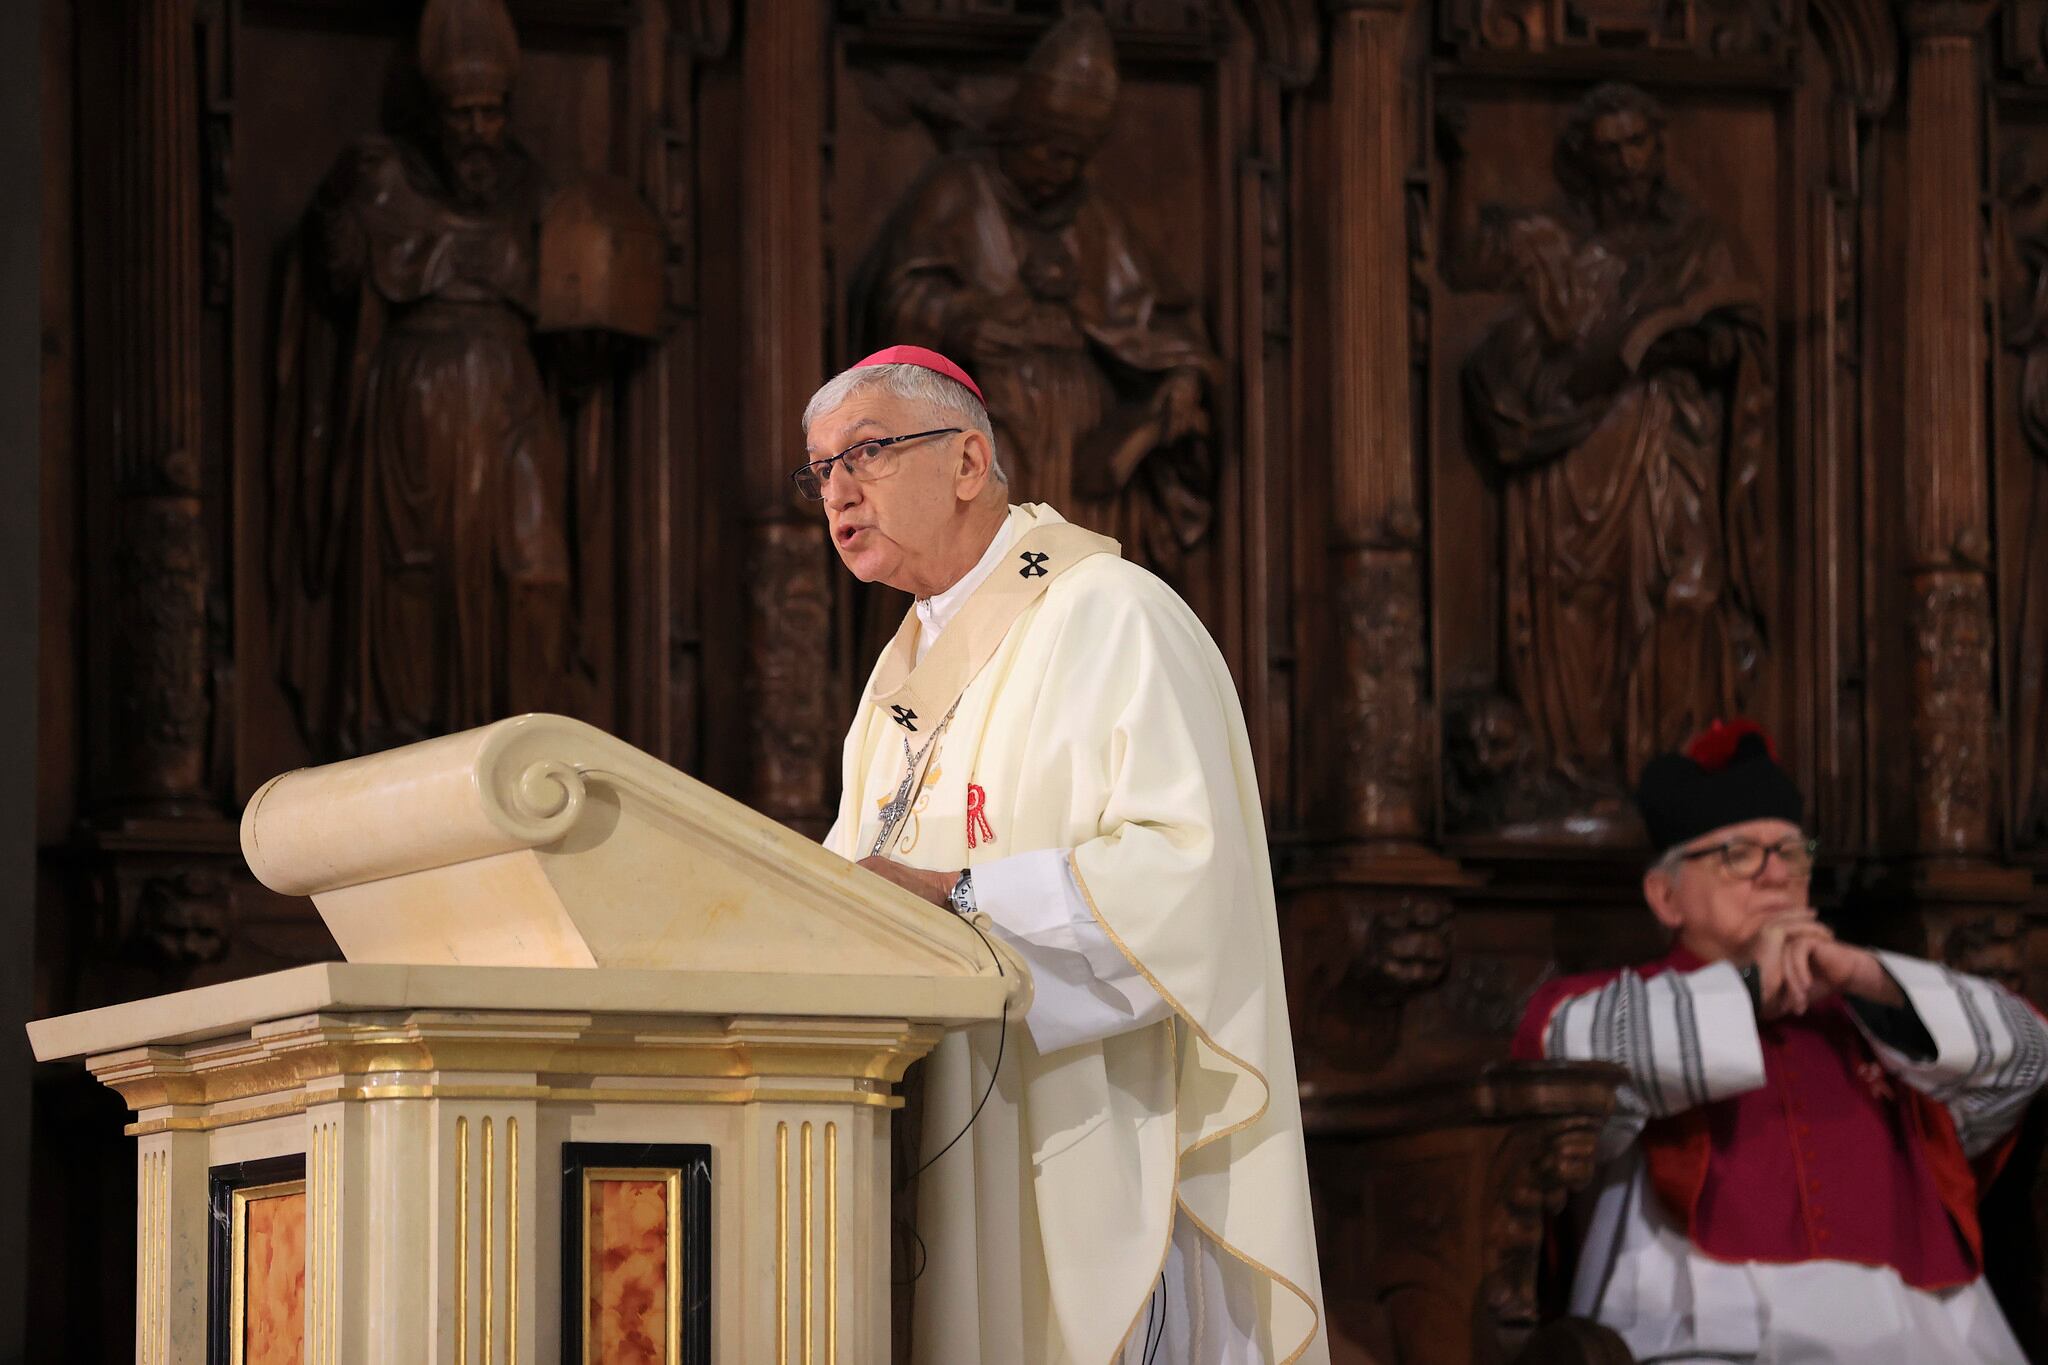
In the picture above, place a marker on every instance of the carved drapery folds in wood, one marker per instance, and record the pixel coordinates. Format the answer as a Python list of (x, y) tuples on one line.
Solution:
[(1655, 424), (321, 455), (1251, 294), (1624, 404), (426, 494), (1009, 256)]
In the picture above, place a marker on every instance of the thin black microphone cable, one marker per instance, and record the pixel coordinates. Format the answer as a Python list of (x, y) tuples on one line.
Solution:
[(1002, 1040), (1152, 1343)]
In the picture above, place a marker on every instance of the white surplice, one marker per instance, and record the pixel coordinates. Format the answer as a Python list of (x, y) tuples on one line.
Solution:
[(1691, 1037), (1135, 1189)]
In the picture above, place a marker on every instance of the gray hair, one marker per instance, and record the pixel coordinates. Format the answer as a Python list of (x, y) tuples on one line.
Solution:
[(947, 402), (1672, 860)]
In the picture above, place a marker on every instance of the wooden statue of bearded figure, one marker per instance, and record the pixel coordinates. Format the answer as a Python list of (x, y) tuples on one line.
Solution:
[(421, 485)]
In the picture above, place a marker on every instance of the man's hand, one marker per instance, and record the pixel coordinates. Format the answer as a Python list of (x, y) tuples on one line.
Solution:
[(935, 887), (1800, 963), (1843, 969), (1781, 954)]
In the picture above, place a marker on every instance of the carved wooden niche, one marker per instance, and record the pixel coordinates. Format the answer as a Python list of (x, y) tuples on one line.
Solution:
[(376, 602), (1065, 198), (1641, 464)]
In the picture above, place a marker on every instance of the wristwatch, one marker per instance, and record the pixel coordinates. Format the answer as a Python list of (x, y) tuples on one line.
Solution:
[(961, 897)]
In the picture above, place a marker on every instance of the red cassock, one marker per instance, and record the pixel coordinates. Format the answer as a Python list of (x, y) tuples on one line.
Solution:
[(1833, 1158)]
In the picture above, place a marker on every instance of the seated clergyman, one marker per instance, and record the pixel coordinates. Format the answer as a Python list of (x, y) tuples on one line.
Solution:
[(1794, 1163)]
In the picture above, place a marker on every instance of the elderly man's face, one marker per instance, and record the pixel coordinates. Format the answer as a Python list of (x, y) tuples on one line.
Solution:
[(1716, 915), (885, 530)]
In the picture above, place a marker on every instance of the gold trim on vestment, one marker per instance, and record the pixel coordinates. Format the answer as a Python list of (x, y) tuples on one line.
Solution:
[(927, 690), (1265, 1104), (1173, 1070), (1315, 1313)]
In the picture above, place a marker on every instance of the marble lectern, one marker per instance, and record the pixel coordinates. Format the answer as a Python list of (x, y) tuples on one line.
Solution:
[(605, 1077)]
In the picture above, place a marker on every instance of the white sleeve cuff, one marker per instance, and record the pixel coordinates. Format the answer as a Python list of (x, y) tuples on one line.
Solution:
[(1687, 1038), (1085, 989), (1731, 1050), (1034, 898), (1963, 1016)]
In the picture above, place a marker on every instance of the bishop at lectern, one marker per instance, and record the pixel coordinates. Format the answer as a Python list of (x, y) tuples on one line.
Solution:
[(613, 1057), (1052, 747)]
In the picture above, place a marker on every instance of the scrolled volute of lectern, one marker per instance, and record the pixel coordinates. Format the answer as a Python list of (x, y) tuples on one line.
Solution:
[(542, 841)]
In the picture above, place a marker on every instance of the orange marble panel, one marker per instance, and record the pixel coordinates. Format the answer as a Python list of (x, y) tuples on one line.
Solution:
[(274, 1281), (627, 1289)]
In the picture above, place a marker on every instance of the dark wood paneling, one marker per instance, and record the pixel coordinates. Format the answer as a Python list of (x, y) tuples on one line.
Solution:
[(1282, 165)]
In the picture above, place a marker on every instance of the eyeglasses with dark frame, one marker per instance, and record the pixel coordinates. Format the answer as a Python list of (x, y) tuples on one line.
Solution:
[(865, 460), (1746, 859)]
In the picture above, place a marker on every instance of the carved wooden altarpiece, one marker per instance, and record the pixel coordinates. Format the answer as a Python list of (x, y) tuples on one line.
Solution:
[(1359, 428)]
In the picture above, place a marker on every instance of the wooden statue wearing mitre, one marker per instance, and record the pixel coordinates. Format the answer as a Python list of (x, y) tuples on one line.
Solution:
[(442, 311)]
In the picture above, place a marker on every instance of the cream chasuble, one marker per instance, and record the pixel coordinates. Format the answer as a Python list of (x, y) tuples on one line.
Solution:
[(1076, 703)]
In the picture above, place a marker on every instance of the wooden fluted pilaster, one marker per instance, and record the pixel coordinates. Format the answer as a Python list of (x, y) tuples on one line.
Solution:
[(1382, 703), (789, 696), (1947, 495), (161, 572)]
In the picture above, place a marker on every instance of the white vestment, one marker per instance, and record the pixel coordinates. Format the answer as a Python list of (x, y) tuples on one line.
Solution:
[(1070, 732)]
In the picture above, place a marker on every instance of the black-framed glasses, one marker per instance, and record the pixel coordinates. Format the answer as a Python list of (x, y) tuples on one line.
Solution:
[(866, 461), (1745, 859)]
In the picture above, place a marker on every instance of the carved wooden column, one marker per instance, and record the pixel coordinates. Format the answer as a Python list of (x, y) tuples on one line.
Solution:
[(1382, 705), (789, 697), (159, 659), (1947, 459)]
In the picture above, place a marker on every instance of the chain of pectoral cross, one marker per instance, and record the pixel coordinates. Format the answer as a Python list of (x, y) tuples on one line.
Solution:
[(914, 763)]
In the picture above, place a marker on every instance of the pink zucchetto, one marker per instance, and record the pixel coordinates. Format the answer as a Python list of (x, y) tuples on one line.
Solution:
[(925, 360)]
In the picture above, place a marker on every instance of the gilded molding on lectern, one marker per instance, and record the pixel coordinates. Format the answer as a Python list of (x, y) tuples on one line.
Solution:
[(153, 1233), (512, 1240), (831, 1244), (782, 1244), (490, 1228), (462, 1240), (810, 1259), (323, 1243), (290, 1056)]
